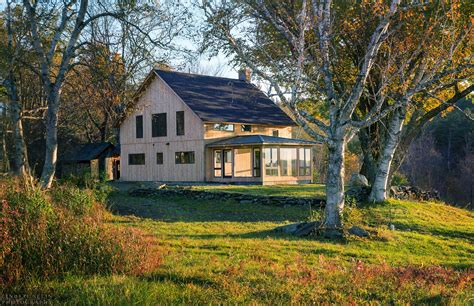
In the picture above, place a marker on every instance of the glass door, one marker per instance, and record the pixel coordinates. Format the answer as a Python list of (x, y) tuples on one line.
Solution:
[(227, 162)]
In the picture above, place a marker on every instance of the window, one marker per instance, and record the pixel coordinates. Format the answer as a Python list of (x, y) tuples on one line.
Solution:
[(217, 163), (271, 161), (159, 158), (184, 158), (257, 162), (305, 161), (224, 127), (158, 125), (136, 159), (139, 126), (180, 123), (275, 133), (288, 161), (246, 128)]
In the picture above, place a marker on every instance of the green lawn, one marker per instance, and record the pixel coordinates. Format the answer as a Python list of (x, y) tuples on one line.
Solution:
[(306, 190), (226, 252)]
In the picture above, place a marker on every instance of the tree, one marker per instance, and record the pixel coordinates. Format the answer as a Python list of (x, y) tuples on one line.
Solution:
[(56, 48), (13, 51), (295, 48)]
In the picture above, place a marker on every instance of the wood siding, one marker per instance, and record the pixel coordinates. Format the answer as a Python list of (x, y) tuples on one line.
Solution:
[(159, 98)]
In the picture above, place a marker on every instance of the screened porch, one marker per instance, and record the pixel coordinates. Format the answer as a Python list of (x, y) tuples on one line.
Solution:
[(259, 159)]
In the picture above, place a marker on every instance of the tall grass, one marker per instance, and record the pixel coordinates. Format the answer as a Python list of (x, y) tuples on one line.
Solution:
[(47, 235)]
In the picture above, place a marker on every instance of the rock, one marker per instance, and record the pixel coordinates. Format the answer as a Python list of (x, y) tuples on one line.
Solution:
[(298, 229), (359, 194), (358, 180), (162, 186), (391, 227), (358, 231), (246, 202)]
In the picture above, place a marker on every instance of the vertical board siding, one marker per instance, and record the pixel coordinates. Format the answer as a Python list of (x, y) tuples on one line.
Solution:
[(159, 98)]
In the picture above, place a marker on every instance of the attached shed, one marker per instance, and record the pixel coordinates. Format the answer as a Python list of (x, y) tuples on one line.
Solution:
[(93, 158)]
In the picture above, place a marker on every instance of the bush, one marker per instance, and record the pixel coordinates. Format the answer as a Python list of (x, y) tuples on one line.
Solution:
[(78, 201), (45, 237), (399, 179)]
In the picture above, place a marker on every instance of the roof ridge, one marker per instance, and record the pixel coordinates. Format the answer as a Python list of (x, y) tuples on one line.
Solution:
[(203, 75)]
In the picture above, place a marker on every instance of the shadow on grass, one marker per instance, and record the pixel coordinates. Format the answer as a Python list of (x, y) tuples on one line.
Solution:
[(182, 209), (179, 279)]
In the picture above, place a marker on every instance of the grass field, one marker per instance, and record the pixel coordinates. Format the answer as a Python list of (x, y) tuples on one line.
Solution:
[(307, 190), (226, 252)]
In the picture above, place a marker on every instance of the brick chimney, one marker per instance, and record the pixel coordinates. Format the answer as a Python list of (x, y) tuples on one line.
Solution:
[(244, 74)]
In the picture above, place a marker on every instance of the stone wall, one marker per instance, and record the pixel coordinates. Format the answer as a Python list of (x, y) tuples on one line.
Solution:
[(225, 196)]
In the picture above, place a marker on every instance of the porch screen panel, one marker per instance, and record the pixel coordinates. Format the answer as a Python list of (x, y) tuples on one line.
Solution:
[(217, 163), (271, 161), (243, 162), (288, 161), (305, 161)]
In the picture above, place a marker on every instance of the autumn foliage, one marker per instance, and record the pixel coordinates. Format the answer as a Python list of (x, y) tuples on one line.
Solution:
[(42, 237)]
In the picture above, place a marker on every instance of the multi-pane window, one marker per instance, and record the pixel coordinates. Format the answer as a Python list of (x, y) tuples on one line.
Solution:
[(158, 125), (224, 127), (139, 126), (271, 161), (257, 162), (159, 158), (275, 133), (217, 163), (180, 123), (246, 128), (288, 161), (136, 159), (184, 157), (305, 161)]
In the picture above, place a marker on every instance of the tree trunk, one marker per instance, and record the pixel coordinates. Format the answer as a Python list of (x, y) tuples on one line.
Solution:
[(332, 223), (51, 152), (379, 188), (369, 163)]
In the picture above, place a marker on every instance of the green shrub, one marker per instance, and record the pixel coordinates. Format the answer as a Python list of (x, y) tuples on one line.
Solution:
[(45, 237), (399, 179), (76, 200)]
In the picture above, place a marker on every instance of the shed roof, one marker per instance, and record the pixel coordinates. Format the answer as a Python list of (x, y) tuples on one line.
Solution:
[(218, 99), (89, 151), (260, 140)]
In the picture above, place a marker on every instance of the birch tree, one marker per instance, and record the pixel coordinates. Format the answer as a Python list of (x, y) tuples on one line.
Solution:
[(13, 52), (305, 63), (56, 49)]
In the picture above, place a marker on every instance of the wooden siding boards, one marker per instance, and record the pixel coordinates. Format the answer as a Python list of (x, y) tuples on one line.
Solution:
[(159, 98)]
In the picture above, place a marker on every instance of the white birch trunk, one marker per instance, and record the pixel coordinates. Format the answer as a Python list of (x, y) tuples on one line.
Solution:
[(332, 223), (379, 192), (51, 152)]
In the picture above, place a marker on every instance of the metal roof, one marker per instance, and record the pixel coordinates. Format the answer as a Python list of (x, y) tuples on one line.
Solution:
[(259, 140), (89, 151), (217, 99)]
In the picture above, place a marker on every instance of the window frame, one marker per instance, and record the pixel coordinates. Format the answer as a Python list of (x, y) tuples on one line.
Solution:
[(215, 127), (294, 165), (130, 163), (180, 131), (276, 163), (219, 153), (158, 159), (178, 161), (243, 126), (257, 162), (155, 118), (139, 122), (304, 170), (277, 132)]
